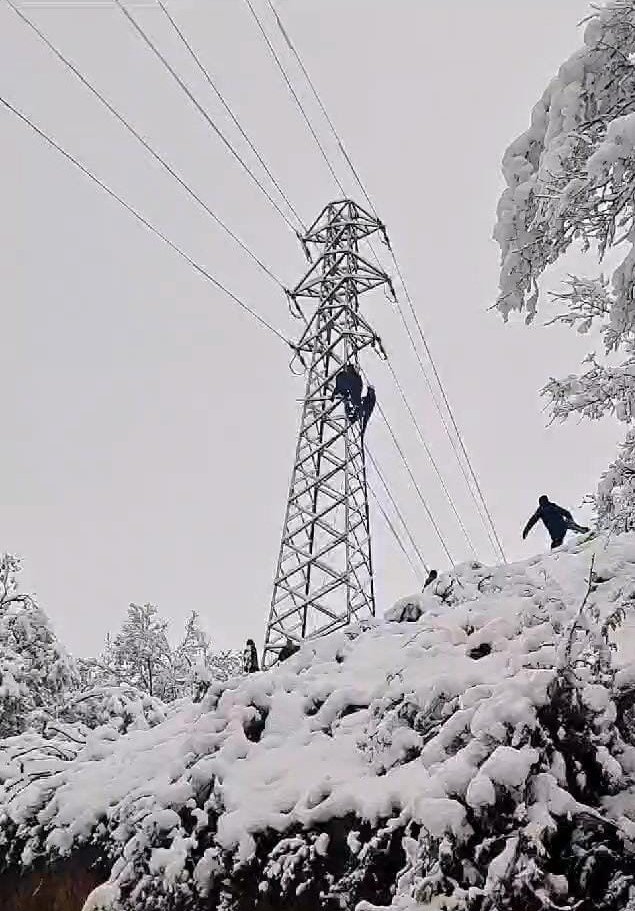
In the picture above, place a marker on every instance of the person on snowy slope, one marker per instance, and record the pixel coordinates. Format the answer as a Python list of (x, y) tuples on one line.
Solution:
[(558, 521), (250, 657), (432, 575), (288, 649)]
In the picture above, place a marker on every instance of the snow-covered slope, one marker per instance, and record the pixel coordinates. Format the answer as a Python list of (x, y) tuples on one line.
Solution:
[(473, 750)]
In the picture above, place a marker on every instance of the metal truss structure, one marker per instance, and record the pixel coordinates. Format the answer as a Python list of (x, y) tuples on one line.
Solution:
[(324, 576)]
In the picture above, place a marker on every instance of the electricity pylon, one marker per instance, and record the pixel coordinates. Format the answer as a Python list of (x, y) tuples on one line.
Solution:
[(324, 576)]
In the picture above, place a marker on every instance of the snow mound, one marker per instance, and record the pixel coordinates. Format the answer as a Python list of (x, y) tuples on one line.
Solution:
[(442, 758)]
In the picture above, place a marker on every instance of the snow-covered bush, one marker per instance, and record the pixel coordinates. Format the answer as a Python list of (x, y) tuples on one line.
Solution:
[(196, 665), (141, 656), (479, 757), (35, 671), (571, 181), (122, 708)]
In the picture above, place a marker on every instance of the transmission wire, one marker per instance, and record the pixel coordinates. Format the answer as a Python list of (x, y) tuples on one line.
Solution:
[(416, 485), (200, 269), (295, 96), (394, 531), (496, 541), (431, 457), (412, 477), (395, 505), (338, 139), (221, 98), (144, 143), (448, 406), (140, 31)]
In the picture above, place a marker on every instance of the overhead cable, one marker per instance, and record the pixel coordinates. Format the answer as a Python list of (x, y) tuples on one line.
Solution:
[(200, 269), (431, 457), (322, 107), (170, 170), (449, 407), (398, 511), (296, 98), (148, 41), (394, 531), (496, 540), (221, 98), (415, 484)]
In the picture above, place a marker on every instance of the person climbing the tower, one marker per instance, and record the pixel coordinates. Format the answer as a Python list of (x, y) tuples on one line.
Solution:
[(348, 386), (557, 520), (289, 648), (250, 657), (367, 406)]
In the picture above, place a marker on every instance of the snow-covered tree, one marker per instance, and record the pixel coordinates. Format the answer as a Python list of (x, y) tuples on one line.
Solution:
[(571, 181), (191, 654), (196, 665), (140, 654), (35, 671)]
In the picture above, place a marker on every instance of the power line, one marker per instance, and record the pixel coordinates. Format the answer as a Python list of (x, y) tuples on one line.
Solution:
[(365, 192), (496, 541), (444, 422), (338, 139), (480, 507), (295, 96), (200, 269), (398, 511), (448, 406), (416, 485), (413, 479), (221, 98), (140, 31), (394, 531), (431, 457), (170, 170)]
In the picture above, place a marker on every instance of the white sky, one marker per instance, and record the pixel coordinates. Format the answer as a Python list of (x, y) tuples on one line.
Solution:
[(148, 426)]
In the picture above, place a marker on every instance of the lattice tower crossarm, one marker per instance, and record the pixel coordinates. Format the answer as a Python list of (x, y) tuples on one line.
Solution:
[(324, 575)]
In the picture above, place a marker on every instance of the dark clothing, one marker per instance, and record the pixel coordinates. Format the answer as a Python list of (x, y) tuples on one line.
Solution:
[(556, 519), (288, 649), (368, 404), (348, 386), (432, 575), (250, 657)]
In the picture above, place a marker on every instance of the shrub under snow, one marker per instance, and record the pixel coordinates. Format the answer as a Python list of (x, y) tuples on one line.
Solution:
[(476, 750), (35, 671)]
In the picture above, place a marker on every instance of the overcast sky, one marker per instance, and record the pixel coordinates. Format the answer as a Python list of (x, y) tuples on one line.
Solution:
[(148, 426)]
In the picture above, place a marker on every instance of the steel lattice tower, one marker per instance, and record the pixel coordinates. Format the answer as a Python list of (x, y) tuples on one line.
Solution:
[(324, 576)]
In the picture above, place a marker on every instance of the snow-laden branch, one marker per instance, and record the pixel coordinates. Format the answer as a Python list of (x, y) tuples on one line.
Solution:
[(571, 176), (599, 391), (571, 180)]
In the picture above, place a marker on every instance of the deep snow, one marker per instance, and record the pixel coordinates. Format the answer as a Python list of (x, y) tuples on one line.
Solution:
[(408, 720)]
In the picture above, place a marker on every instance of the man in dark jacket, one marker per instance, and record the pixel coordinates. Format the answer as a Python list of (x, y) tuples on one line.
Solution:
[(250, 657), (432, 575), (348, 386), (368, 404), (288, 649), (558, 521)]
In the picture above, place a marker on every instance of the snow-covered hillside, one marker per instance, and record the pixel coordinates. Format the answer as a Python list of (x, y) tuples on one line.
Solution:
[(476, 749)]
